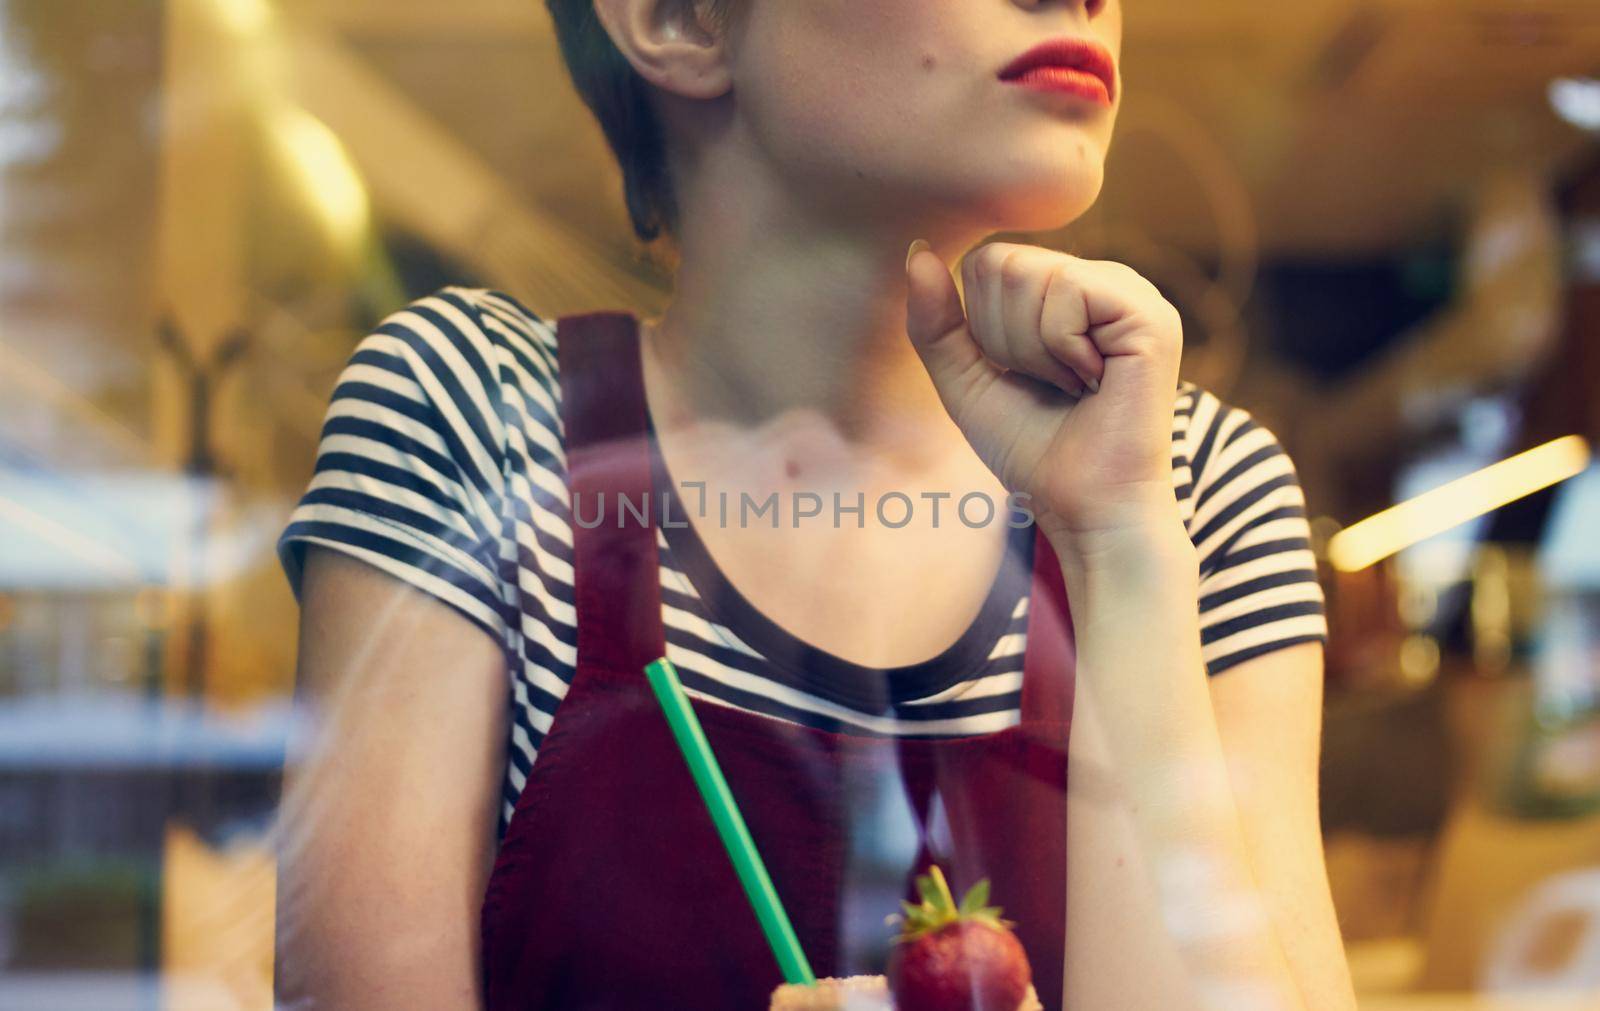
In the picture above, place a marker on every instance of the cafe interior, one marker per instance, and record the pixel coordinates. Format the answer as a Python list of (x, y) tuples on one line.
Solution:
[(1379, 219)]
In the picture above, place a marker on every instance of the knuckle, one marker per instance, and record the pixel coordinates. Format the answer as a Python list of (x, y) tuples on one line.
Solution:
[(1161, 341), (1126, 273), (1014, 271), (972, 263), (1149, 288), (1144, 346), (1062, 278), (991, 258)]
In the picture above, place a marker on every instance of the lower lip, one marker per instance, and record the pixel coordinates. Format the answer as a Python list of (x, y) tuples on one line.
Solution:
[(1065, 80)]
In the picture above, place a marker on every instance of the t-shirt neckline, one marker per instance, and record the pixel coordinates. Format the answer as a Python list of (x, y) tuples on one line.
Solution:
[(818, 672)]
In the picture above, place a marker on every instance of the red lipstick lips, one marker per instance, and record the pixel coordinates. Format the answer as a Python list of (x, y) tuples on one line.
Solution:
[(1075, 66)]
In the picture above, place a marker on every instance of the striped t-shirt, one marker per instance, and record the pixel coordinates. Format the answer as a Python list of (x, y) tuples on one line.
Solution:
[(442, 462)]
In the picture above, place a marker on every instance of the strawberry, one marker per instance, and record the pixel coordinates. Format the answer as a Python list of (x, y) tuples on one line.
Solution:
[(956, 958)]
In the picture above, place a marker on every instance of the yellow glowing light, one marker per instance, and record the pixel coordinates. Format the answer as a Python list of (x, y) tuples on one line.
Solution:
[(1400, 526), (326, 176), (1419, 659), (243, 17)]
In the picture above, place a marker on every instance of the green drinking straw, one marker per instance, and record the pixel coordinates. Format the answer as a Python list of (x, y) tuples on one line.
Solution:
[(730, 824)]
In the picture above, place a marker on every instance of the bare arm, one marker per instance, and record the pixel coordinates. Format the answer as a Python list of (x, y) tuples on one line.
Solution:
[(1165, 903), (1269, 713), (386, 830), (1061, 378)]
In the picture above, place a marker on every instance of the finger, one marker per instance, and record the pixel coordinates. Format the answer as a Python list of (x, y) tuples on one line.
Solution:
[(1120, 303), (981, 269), (1025, 274), (1064, 322), (939, 331)]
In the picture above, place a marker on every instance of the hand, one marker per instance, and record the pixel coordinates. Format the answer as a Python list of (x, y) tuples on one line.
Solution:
[(1017, 368)]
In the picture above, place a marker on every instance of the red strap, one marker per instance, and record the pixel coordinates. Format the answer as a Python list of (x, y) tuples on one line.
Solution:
[(1049, 664), (616, 580)]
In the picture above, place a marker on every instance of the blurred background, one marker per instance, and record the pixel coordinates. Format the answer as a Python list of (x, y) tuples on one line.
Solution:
[(1380, 219)]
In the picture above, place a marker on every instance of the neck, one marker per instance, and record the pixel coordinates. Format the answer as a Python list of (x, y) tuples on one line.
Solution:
[(777, 314)]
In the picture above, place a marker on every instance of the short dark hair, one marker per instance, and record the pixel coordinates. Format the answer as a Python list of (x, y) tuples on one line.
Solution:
[(620, 100)]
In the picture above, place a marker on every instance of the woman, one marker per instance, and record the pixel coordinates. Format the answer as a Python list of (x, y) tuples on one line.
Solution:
[(450, 843)]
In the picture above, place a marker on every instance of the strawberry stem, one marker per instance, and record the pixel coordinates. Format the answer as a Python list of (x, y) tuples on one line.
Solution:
[(946, 900), (939, 907)]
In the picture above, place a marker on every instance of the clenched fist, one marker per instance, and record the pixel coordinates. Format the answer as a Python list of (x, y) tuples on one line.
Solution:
[(1062, 373)]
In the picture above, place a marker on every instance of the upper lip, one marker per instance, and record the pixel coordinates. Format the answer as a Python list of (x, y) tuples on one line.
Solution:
[(1067, 51)]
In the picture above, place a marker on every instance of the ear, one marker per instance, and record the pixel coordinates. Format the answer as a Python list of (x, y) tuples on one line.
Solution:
[(670, 43)]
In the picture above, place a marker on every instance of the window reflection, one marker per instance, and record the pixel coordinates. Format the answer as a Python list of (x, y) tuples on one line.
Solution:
[(206, 204)]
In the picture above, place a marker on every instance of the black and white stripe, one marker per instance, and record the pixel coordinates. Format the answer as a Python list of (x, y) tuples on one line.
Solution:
[(442, 462), (1258, 585)]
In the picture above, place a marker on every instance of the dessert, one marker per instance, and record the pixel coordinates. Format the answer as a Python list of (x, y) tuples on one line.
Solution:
[(856, 993), (849, 993), (948, 957)]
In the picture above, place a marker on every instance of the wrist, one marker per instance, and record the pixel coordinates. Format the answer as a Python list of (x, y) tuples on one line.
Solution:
[(1157, 545)]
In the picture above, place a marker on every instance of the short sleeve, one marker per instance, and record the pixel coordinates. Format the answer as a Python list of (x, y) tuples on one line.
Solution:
[(1258, 577), (408, 474)]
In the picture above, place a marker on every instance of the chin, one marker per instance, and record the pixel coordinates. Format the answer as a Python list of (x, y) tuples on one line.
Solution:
[(1043, 204)]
